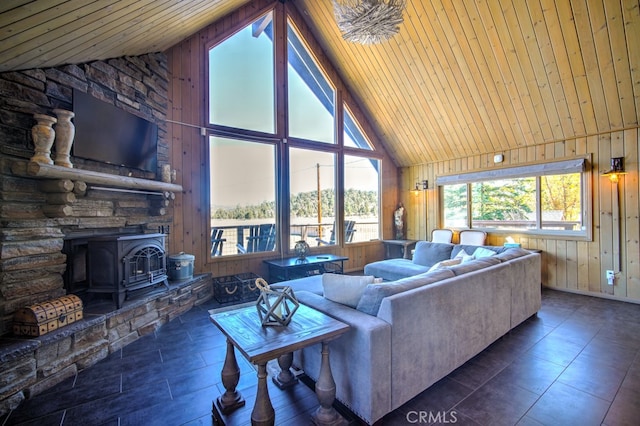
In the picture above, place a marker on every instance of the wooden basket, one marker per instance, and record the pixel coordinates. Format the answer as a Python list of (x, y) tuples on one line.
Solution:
[(45, 317)]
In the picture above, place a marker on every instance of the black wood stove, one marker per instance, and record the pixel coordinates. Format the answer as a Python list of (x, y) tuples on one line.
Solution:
[(118, 264)]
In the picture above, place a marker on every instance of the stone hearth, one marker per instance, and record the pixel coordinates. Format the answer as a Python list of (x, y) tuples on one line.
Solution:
[(30, 365)]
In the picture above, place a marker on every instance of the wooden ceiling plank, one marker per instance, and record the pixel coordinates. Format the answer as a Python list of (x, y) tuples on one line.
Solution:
[(36, 52), (631, 14), (510, 99), (541, 131), (490, 73), (374, 82), (539, 73), (576, 65), (480, 113), (362, 83), (502, 47), (561, 48), (601, 68), (422, 39), (620, 59), (551, 67), (441, 94), (467, 41), (8, 5), (454, 91), (467, 113), (44, 22), (111, 39), (197, 14), (429, 108), (387, 99), (592, 72), (13, 12)]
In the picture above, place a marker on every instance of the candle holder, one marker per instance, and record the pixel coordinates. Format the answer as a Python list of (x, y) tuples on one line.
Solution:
[(276, 304)]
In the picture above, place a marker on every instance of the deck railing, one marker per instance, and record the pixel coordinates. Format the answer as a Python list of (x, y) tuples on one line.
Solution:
[(310, 232)]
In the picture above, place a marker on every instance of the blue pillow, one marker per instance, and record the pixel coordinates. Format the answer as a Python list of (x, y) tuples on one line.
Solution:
[(428, 253)]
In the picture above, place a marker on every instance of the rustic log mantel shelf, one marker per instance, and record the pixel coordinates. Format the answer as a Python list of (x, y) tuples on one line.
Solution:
[(49, 171)]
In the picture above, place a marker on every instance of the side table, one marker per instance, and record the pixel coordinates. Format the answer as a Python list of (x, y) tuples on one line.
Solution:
[(398, 248), (292, 267), (260, 344)]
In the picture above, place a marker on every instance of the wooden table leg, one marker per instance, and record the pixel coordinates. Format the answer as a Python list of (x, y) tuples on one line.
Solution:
[(326, 391), (263, 413), (285, 378), (231, 399)]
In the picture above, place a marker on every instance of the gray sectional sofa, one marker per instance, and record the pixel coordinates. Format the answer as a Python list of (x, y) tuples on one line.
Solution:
[(420, 324)]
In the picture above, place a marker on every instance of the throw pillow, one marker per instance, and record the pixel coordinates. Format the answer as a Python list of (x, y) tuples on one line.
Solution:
[(445, 263), (462, 254), (428, 253), (345, 289), (483, 252)]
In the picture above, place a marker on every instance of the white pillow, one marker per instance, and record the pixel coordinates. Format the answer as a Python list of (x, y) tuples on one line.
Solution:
[(345, 289), (466, 257), (444, 263), (483, 252)]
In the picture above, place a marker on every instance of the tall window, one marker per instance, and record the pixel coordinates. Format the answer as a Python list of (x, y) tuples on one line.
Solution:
[(361, 198), (311, 95), (251, 154), (313, 196), (241, 77), (243, 196), (549, 198)]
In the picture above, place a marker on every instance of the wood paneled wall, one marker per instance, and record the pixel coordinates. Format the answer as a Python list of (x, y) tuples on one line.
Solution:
[(188, 151), (572, 265)]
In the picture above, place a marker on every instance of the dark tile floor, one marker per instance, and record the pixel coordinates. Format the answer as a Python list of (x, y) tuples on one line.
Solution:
[(576, 363)]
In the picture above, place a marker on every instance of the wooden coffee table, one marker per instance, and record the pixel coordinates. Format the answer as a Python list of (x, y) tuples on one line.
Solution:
[(259, 344)]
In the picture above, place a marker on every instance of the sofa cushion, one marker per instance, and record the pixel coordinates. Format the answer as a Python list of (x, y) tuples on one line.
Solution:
[(312, 283), (428, 253), (394, 269), (512, 253), (474, 265), (345, 289), (374, 293)]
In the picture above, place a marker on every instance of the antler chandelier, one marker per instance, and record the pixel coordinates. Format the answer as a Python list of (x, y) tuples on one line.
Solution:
[(368, 21)]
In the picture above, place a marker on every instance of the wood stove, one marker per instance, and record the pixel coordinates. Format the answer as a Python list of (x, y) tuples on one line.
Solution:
[(119, 264)]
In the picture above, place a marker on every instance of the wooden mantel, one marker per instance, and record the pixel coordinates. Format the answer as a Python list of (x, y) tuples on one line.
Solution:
[(50, 171)]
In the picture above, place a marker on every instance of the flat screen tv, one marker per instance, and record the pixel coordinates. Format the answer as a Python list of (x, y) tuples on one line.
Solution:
[(109, 134)]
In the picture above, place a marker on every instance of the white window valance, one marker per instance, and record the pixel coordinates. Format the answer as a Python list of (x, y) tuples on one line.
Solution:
[(576, 165)]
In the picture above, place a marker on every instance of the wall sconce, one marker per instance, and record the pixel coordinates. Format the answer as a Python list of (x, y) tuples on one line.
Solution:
[(617, 169), (420, 186)]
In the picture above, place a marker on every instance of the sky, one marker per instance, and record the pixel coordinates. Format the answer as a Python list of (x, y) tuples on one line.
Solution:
[(242, 95)]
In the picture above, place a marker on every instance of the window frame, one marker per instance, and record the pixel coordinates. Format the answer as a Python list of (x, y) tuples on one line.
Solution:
[(535, 170), (281, 19)]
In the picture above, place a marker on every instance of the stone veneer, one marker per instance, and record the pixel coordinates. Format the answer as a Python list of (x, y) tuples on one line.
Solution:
[(37, 214), (29, 366)]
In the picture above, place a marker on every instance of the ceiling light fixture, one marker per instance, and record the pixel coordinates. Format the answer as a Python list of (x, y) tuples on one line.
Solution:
[(368, 21)]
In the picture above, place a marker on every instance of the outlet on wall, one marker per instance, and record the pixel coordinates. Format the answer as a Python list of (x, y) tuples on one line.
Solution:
[(610, 276)]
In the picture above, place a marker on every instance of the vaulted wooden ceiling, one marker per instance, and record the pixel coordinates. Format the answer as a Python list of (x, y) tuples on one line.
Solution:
[(461, 77)]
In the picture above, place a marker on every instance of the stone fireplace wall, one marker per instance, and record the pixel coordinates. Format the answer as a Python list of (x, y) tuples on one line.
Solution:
[(37, 214)]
